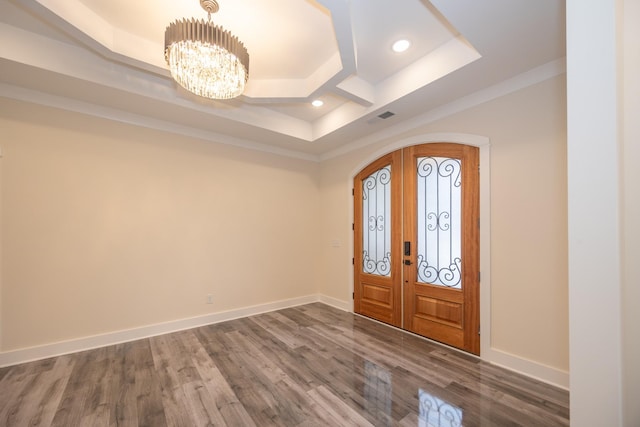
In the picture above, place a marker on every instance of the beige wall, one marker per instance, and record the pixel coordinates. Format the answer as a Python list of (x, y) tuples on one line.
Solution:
[(107, 226), (527, 129)]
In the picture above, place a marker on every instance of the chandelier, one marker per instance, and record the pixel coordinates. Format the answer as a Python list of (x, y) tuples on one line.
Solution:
[(205, 59)]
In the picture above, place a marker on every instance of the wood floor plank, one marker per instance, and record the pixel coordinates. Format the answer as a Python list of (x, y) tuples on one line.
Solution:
[(275, 386), (311, 365), (251, 394), (334, 409), (4, 372), (36, 403), (280, 331), (202, 408), (122, 394), (96, 410), (172, 371), (385, 355), (150, 405), (223, 401), (83, 397)]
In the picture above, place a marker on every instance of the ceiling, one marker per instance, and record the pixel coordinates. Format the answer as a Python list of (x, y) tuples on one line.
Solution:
[(107, 58)]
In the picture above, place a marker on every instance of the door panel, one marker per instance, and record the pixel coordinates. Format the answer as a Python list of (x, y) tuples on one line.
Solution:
[(441, 222), (377, 256)]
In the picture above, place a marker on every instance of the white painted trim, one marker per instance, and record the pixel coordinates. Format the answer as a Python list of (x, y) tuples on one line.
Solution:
[(337, 303), (87, 343), (67, 104), (485, 252), (527, 367)]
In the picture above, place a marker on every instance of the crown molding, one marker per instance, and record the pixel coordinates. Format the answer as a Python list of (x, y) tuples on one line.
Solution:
[(529, 78), (116, 115)]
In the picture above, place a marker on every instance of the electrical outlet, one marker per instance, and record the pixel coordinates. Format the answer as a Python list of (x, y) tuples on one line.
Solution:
[(209, 299)]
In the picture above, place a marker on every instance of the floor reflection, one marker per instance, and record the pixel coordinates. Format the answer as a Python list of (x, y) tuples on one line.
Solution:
[(378, 397), (377, 390), (435, 412)]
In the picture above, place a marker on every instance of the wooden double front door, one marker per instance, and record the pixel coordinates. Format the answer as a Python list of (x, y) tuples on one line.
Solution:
[(416, 247)]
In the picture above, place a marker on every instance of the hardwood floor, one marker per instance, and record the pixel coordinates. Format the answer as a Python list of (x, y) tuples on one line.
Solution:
[(305, 366)]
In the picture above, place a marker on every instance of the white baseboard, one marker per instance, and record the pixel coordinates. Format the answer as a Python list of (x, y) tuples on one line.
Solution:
[(518, 364), (30, 354), (336, 303), (544, 373)]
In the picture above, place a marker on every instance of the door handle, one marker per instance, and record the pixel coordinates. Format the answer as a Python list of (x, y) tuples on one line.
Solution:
[(407, 262), (407, 248)]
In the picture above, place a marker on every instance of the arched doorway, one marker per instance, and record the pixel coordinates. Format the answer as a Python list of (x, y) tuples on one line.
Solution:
[(416, 242)]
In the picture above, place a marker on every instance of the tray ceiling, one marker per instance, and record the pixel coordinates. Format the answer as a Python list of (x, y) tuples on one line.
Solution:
[(109, 55)]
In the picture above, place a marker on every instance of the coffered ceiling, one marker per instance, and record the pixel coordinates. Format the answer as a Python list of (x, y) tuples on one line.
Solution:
[(106, 58)]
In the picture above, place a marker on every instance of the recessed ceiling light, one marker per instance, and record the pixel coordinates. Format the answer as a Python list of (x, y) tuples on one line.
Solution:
[(401, 45), (317, 103)]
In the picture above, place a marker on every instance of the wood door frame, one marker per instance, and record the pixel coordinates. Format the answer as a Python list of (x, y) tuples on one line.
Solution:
[(483, 143)]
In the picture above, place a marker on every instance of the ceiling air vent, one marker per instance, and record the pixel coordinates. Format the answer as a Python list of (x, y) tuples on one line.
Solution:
[(386, 115)]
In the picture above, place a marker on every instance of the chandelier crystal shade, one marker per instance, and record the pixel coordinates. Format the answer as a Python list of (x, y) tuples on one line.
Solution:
[(206, 59)]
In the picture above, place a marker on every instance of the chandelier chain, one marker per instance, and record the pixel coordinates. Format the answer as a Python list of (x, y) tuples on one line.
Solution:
[(210, 6)]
